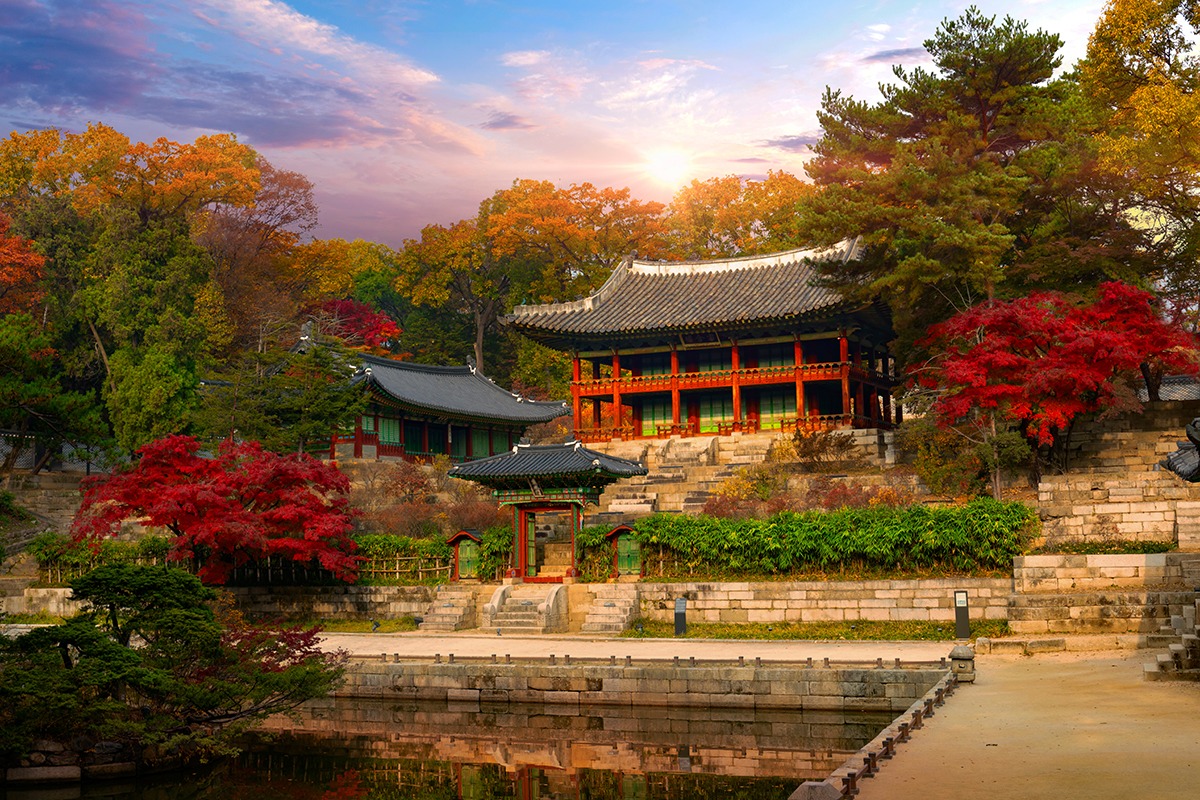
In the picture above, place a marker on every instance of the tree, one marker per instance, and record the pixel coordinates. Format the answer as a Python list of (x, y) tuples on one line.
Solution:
[(357, 325), (730, 216), (244, 505), (1040, 361), (458, 268), (971, 182), (34, 402), (577, 234), (20, 271), (1143, 73), (252, 249), (198, 676)]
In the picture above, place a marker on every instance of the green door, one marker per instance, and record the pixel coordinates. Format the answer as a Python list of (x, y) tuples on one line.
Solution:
[(468, 558), (531, 569), (629, 556)]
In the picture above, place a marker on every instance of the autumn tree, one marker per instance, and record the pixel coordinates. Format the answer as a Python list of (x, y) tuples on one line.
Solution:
[(252, 248), (1033, 364), (459, 269), (20, 271), (1141, 72), (731, 216), (576, 234), (243, 506), (972, 181)]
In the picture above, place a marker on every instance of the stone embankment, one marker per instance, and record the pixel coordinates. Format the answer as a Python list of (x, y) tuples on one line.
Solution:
[(812, 686)]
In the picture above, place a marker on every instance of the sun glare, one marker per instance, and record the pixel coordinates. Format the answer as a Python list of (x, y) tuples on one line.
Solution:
[(669, 168)]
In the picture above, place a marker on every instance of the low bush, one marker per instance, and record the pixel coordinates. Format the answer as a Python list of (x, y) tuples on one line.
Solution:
[(982, 535)]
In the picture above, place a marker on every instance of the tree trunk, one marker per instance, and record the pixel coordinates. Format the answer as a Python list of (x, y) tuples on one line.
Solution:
[(1153, 376), (997, 492)]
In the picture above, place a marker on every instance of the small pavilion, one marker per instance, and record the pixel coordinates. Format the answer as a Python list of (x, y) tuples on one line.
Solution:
[(546, 480)]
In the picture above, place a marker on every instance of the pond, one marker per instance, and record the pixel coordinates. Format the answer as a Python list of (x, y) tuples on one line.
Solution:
[(377, 750)]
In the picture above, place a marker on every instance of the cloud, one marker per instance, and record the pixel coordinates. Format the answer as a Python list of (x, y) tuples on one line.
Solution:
[(662, 63), (506, 121), (525, 58), (895, 56), (877, 33), (71, 54), (799, 143)]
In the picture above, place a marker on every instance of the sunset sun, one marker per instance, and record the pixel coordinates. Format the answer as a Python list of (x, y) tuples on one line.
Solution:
[(668, 168)]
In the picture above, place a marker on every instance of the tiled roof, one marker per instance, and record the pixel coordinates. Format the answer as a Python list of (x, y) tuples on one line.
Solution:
[(1174, 387), (549, 461), (452, 391), (650, 296)]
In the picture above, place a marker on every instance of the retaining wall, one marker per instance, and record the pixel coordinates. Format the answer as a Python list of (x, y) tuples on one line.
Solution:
[(1144, 506), (333, 602), (819, 601), (1064, 573), (863, 689)]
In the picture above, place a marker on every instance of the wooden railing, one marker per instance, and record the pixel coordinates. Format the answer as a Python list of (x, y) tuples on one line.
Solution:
[(748, 376)]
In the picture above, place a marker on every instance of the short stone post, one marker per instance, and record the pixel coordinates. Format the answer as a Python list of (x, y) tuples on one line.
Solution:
[(962, 663)]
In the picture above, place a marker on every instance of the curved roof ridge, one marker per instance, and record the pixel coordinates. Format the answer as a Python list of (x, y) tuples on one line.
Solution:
[(435, 369), (584, 303), (842, 251)]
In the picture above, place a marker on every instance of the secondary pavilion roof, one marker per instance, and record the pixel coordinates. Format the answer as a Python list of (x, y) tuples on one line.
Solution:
[(642, 300), (459, 392), (551, 465)]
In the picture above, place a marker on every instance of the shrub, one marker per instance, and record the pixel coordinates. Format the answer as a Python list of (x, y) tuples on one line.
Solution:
[(824, 450), (947, 463), (982, 535)]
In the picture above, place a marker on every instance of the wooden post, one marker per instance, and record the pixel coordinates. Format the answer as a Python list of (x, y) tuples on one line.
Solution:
[(798, 362), (358, 438), (674, 385), (735, 362), (576, 390), (844, 355), (616, 390)]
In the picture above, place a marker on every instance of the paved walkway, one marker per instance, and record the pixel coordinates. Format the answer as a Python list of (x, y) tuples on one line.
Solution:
[(1058, 725)]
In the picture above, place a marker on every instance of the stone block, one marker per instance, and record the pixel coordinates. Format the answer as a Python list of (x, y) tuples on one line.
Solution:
[(43, 774)]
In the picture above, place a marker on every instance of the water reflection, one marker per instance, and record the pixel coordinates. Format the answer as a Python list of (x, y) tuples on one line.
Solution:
[(355, 748)]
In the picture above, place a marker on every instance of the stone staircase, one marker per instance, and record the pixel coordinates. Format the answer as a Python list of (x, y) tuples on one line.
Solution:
[(614, 606), (555, 559), (453, 609), (1181, 639), (525, 609)]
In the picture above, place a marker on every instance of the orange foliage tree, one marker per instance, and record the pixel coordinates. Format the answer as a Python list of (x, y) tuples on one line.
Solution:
[(20, 271)]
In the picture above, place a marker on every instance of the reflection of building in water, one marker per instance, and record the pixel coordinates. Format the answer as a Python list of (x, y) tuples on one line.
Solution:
[(559, 750)]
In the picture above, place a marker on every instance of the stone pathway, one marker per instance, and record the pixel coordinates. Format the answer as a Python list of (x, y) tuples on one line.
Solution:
[(1057, 726)]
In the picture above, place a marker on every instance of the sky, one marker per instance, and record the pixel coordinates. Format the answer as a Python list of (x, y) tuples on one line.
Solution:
[(409, 113)]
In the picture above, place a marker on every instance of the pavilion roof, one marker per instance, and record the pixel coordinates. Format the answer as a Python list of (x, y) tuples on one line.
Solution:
[(555, 465), (460, 392), (673, 298)]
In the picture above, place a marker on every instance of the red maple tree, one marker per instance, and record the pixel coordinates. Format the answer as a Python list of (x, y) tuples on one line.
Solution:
[(357, 324), (244, 505), (20, 271), (1038, 362)]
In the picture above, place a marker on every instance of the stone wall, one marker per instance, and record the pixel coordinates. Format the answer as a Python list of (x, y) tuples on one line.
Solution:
[(1141, 507), (768, 687), (819, 601), (53, 496), (333, 602), (1063, 573), (1129, 442)]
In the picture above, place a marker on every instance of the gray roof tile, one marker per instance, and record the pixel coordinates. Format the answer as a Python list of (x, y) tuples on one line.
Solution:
[(453, 391), (544, 461)]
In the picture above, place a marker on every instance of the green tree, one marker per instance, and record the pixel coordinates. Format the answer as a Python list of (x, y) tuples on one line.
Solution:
[(198, 677), (972, 181)]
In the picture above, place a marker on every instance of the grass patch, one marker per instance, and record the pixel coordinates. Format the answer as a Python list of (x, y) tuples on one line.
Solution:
[(1102, 547), (400, 625), (40, 618), (860, 630)]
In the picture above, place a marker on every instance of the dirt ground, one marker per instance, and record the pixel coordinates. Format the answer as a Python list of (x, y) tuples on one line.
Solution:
[(1058, 725)]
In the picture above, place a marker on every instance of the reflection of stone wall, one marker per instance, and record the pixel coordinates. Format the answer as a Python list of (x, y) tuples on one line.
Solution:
[(654, 685), (714, 741)]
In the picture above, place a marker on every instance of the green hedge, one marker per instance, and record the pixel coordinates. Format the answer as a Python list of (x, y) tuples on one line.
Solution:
[(982, 535)]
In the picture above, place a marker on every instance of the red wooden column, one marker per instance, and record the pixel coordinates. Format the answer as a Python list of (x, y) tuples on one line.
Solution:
[(616, 389), (358, 438), (737, 386), (798, 361), (576, 390), (674, 387), (844, 356), (597, 422)]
